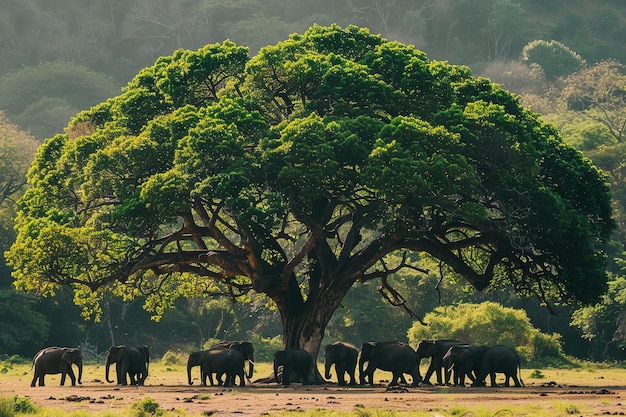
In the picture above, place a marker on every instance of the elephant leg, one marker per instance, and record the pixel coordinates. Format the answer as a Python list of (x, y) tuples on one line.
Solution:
[(211, 378), (429, 372), (123, 373), (70, 373), (394, 379), (352, 377), (305, 377), (34, 382), (341, 377)]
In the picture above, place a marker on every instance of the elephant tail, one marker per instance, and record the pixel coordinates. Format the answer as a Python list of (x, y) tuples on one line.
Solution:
[(34, 359), (31, 368)]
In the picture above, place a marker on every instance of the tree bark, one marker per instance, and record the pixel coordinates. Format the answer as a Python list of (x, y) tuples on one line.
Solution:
[(304, 322)]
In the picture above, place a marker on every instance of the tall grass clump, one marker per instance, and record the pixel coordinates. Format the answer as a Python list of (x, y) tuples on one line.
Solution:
[(7, 407)]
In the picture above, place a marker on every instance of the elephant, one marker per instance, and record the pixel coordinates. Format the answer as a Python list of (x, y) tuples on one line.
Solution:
[(395, 357), (464, 360), (129, 360), (196, 359), (297, 361), (344, 356), (435, 350), (57, 360), (244, 347), (499, 359), (223, 361)]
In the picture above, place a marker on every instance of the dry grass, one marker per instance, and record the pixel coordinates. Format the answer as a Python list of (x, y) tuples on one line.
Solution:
[(589, 390)]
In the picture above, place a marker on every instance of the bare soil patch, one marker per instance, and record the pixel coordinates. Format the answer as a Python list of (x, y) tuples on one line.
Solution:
[(589, 394)]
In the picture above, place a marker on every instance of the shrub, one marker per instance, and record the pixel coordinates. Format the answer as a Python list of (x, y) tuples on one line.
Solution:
[(174, 358), (265, 347), (555, 58), (25, 405), (488, 323), (210, 342), (147, 406)]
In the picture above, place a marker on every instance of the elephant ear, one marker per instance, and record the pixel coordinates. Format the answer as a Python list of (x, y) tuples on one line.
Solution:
[(464, 354), (67, 356), (118, 352), (145, 353)]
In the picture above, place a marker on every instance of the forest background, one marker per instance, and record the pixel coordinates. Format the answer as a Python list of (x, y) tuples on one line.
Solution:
[(564, 58)]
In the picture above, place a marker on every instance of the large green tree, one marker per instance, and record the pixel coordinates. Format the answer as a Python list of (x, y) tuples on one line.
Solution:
[(303, 170)]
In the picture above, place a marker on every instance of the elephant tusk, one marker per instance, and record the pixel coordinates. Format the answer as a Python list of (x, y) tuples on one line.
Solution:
[(251, 362)]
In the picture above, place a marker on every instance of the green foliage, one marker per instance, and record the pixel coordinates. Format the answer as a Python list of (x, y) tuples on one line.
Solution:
[(331, 157), (7, 406), (53, 91), (581, 132), (20, 322), (487, 323), (264, 347), (174, 358), (25, 405), (147, 407), (553, 57), (602, 322), (17, 149), (537, 374)]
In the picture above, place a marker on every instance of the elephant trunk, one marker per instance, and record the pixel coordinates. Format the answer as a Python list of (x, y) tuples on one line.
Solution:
[(189, 366), (327, 368), (79, 363), (106, 372)]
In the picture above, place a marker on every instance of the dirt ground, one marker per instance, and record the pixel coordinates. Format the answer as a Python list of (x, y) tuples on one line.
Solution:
[(587, 394)]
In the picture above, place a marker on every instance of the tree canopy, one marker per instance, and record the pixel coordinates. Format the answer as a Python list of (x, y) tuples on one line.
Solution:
[(330, 158)]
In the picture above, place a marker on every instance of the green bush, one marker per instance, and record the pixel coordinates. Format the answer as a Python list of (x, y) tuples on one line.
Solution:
[(174, 358), (488, 323), (17, 360), (147, 406), (25, 405), (210, 342), (555, 58), (264, 347)]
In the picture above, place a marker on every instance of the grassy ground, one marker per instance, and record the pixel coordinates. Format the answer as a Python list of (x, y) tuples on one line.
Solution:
[(589, 390)]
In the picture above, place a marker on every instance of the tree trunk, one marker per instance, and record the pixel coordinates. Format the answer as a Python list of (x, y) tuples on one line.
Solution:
[(304, 322)]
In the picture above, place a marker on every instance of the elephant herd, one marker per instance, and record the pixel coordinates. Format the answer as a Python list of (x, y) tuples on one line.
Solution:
[(227, 361), (447, 357), (130, 361)]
